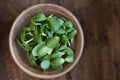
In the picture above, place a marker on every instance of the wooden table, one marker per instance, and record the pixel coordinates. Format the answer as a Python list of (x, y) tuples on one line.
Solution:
[(100, 20)]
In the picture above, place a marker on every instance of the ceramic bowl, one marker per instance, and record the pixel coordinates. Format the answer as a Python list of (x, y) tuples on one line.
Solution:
[(19, 55)]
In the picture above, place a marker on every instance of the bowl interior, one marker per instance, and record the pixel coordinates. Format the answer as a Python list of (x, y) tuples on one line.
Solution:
[(23, 20)]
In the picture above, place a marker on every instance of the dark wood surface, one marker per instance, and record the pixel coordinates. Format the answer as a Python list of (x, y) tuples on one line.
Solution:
[(100, 20)]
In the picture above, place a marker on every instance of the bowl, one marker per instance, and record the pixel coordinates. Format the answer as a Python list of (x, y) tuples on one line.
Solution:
[(19, 55)]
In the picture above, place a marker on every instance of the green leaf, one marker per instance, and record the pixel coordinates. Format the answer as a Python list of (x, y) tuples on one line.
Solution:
[(69, 29), (24, 42), (49, 17), (36, 48), (58, 61), (32, 26), (68, 24), (49, 34), (31, 59), (40, 17), (62, 48), (21, 45), (26, 29), (72, 40), (41, 31), (64, 39), (57, 67), (39, 38), (60, 21), (64, 19), (54, 25), (56, 48), (72, 34), (26, 37), (52, 43), (43, 51), (69, 59), (32, 44), (57, 55), (45, 64), (60, 31), (27, 47), (22, 37), (69, 51), (45, 24), (35, 33), (33, 21), (47, 57), (50, 51)]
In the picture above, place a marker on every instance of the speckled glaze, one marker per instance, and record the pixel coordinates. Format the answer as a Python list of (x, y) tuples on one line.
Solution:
[(19, 55)]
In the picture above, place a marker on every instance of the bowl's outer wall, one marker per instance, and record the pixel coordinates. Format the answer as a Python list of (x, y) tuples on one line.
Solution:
[(19, 55)]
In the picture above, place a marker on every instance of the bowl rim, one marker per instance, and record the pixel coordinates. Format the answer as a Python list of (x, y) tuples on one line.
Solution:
[(36, 74)]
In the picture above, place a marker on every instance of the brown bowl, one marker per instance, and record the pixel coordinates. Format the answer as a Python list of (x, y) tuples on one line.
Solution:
[(19, 55)]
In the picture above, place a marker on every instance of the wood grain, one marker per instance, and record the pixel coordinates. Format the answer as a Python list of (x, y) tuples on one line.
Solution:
[(100, 20)]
